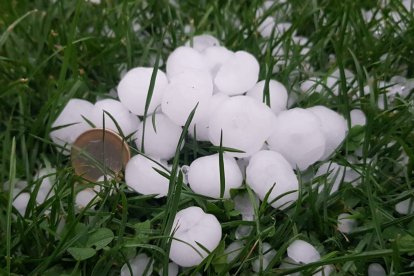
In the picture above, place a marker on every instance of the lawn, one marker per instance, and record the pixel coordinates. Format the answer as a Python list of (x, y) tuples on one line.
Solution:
[(54, 51)]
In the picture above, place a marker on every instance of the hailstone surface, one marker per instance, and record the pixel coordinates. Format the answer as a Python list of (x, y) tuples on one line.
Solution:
[(376, 269), (71, 122), (345, 223), (46, 176), (141, 176), (334, 172), (216, 57), (233, 250), (192, 227), (184, 92), (202, 42), (244, 205), (298, 136), (20, 202), (358, 118), (204, 175), (84, 197), (268, 255), (268, 168), (134, 86), (138, 266), (161, 141), (277, 93), (405, 207), (303, 252), (245, 122), (184, 59), (238, 74)]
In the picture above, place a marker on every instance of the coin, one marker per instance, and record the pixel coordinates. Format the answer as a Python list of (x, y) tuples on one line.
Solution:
[(99, 152)]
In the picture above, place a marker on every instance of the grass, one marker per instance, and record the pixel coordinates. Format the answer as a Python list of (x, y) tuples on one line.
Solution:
[(51, 51)]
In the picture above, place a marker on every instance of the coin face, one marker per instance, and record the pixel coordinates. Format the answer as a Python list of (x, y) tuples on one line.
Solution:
[(99, 152)]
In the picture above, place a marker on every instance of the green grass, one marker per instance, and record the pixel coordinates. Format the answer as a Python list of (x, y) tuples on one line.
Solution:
[(51, 52)]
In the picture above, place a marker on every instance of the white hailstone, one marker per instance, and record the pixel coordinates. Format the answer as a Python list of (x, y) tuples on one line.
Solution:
[(185, 59), (313, 84), (243, 204), (172, 269), (20, 202), (47, 178), (84, 197), (277, 93), (141, 176), (268, 255), (138, 266), (238, 74), (405, 207), (203, 124), (233, 250), (127, 122), (192, 226), (303, 252), (160, 140), (215, 57), (326, 270), (268, 168), (334, 128), (183, 93), (288, 263), (297, 135), (19, 185), (345, 223), (266, 27), (202, 42), (376, 269), (133, 89), (334, 79), (208, 184), (70, 122), (334, 174), (358, 118), (243, 231), (245, 122)]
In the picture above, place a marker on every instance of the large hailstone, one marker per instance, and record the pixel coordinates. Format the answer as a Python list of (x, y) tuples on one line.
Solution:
[(268, 168), (162, 141), (134, 86), (138, 266), (277, 93), (215, 57), (141, 176), (334, 128), (303, 252), (184, 59), (245, 122), (192, 227), (127, 122), (183, 93), (202, 42), (71, 122), (238, 74), (208, 184), (298, 136)]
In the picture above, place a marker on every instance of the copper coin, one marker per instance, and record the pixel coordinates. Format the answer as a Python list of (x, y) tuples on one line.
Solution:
[(98, 152)]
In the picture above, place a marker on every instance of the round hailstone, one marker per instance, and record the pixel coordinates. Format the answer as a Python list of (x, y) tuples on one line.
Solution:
[(345, 223), (357, 118), (245, 122), (243, 204), (71, 123), (184, 92), (238, 74), (20, 202), (303, 252), (133, 89), (268, 255), (160, 140), (127, 122), (376, 269), (84, 197), (233, 250), (201, 128), (334, 128), (268, 168), (185, 59), (216, 57), (192, 227), (47, 178), (138, 266), (277, 93), (405, 207), (202, 42), (297, 135), (209, 184), (141, 176)]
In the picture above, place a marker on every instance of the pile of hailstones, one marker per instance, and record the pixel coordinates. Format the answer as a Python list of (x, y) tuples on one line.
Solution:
[(272, 141)]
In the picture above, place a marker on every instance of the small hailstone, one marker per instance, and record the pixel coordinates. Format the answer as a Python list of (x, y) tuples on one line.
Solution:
[(233, 250), (303, 252), (288, 263), (185, 59), (209, 184), (162, 141), (47, 178), (184, 92), (19, 185), (202, 42), (333, 80), (172, 269), (334, 128), (297, 135), (138, 266), (245, 123), (266, 27), (376, 269), (405, 207), (277, 93), (326, 270), (141, 176), (311, 85), (358, 118), (238, 74), (84, 197), (243, 204), (345, 223), (334, 173), (20, 202), (243, 231), (133, 89), (192, 226), (215, 57), (268, 255), (71, 118), (268, 168)]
